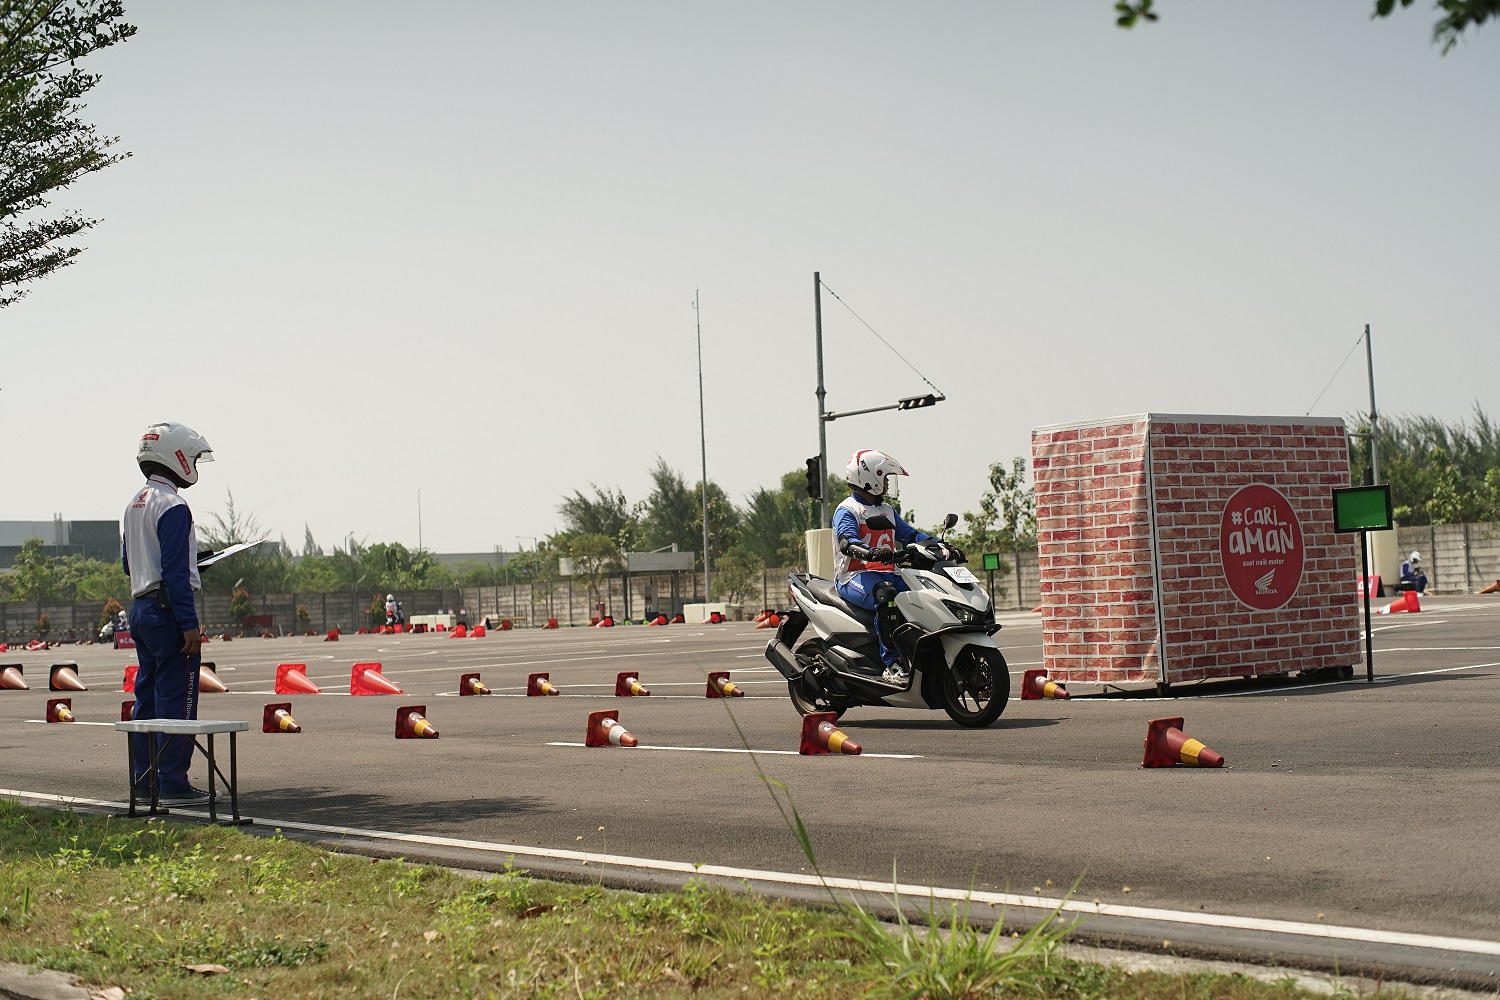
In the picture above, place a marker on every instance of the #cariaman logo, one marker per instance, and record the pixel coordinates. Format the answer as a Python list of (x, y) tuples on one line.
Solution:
[(1261, 547), (1261, 531)]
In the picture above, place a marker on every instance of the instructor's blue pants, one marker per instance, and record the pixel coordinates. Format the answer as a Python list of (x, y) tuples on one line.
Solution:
[(859, 590), (166, 687)]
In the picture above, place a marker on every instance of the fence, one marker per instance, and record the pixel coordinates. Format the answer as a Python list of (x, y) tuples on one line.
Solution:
[(1460, 558)]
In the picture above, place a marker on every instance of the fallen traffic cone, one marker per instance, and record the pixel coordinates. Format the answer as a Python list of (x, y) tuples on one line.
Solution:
[(226, 637), (761, 617), (538, 685), (678, 620), (821, 734), (35, 645), (208, 680), (127, 710), (478, 632), (1167, 746), (774, 621), (604, 730), (1035, 685), (129, 683), (628, 685), (461, 631), (291, 678), (412, 724), (10, 677), (366, 678), (714, 618), (1407, 602), (1493, 588), (605, 622), (64, 677), (60, 710), (720, 686), (551, 623), (332, 636), (399, 629), (469, 684), (278, 719)]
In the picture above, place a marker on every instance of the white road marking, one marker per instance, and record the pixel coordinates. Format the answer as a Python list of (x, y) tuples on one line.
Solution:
[(790, 753), (75, 722), (1326, 932)]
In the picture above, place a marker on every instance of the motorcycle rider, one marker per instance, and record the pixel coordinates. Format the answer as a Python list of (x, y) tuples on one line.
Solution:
[(867, 530), (392, 610)]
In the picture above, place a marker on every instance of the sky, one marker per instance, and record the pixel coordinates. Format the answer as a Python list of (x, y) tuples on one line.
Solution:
[(371, 249)]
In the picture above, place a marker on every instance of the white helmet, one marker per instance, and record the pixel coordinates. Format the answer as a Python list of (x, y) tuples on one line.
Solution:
[(1415, 557), (390, 597), (176, 447), (874, 472)]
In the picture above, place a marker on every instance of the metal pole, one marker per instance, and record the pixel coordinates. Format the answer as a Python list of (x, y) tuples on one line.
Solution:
[(1374, 417), (1364, 565), (824, 517), (703, 448)]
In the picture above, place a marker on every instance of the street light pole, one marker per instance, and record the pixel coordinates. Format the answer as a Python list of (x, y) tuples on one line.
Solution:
[(708, 594), (824, 517)]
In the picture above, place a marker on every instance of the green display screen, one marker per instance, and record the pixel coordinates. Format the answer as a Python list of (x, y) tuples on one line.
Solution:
[(1362, 508), (991, 560)]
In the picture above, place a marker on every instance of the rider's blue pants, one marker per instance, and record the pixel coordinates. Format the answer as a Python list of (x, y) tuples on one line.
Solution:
[(859, 589)]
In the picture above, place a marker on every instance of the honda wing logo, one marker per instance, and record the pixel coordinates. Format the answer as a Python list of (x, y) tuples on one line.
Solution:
[(1263, 584)]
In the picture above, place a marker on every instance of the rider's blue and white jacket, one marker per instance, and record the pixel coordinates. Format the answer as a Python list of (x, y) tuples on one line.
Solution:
[(159, 548)]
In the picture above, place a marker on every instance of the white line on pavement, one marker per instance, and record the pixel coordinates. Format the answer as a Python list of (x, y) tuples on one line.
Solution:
[(791, 753)]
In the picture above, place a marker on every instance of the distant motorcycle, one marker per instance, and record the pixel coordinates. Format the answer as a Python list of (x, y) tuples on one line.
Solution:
[(115, 624), (943, 628)]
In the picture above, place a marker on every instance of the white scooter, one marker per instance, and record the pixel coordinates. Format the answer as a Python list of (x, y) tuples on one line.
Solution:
[(942, 627)]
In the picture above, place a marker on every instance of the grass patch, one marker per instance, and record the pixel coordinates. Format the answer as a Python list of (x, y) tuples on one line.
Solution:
[(131, 903)]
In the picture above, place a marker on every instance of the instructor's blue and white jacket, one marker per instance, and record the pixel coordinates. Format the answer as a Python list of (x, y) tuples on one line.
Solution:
[(159, 548)]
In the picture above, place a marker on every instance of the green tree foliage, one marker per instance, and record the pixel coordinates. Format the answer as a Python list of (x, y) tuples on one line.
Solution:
[(43, 626), (1457, 16), (672, 515), (392, 566), (1006, 519), (595, 558), (37, 576), (33, 575), (112, 607), (239, 606), (1440, 473), (44, 145)]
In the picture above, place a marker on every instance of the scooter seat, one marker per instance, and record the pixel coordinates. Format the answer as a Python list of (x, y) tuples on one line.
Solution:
[(828, 593)]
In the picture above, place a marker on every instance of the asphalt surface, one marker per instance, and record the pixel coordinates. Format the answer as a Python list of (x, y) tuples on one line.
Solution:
[(1366, 805)]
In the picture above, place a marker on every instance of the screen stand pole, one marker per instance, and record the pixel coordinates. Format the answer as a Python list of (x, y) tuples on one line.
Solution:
[(1364, 565)]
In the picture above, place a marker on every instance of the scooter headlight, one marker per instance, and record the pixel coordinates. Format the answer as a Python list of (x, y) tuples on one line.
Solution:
[(965, 614)]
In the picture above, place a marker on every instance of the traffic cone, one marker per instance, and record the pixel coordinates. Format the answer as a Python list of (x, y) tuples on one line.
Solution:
[(821, 734), (366, 678), (332, 636), (761, 617), (225, 637), (208, 680), (127, 710), (771, 621), (720, 686), (1407, 602), (538, 685), (291, 678), (10, 677), (412, 724), (60, 710), (604, 730), (35, 645), (1167, 746), (605, 622), (1035, 686), (399, 629), (64, 677), (678, 620), (129, 684), (469, 684), (551, 623), (461, 631), (278, 719), (714, 618), (628, 685), (478, 632), (1493, 588), (506, 624)]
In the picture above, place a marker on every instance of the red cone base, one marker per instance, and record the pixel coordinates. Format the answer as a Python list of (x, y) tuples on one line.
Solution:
[(1035, 686), (291, 678), (1167, 746), (604, 730), (720, 686), (821, 735), (537, 685), (127, 710), (332, 636), (366, 678), (278, 719), (130, 672)]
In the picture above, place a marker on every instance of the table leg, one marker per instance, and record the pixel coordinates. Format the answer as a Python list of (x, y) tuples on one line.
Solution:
[(213, 816), (234, 777), (130, 763), (156, 752)]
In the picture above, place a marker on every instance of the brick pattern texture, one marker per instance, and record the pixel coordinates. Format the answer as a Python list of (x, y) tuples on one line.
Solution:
[(1110, 616)]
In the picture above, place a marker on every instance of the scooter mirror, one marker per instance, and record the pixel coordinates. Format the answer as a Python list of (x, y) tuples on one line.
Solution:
[(950, 520)]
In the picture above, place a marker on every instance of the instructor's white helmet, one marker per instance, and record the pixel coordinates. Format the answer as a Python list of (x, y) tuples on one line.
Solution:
[(1415, 557), (175, 446), (874, 472)]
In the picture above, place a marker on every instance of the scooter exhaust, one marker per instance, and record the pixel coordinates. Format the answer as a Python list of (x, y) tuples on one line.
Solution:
[(782, 659)]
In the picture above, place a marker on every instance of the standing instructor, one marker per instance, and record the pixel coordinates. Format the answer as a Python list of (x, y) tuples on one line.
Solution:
[(160, 553)]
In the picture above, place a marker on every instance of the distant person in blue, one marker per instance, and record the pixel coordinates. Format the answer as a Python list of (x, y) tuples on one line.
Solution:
[(1412, 577), (867, 531), (160, 553)]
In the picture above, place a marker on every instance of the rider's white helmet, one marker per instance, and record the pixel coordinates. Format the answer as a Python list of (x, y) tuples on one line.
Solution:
[(175, 446), (390, 597), (874, 472), (1415, 557)]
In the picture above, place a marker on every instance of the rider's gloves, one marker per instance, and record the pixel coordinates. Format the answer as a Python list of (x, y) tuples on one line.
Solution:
[(956, 554), (882, 554)]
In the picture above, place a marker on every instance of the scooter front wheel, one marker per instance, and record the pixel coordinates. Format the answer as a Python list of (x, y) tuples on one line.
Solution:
[(985, 688)]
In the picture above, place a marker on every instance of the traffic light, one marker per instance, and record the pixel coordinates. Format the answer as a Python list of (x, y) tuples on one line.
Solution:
[(815, 478), (917, 402)]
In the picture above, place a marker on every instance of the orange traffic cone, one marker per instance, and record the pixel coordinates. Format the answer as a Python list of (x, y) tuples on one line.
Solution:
[(366, 678), (678, 619), (551, 623), (773, 620), (762, 616), (478, 632), (821, 734), (628, 685), (1167, 746), (714, 618), (469, 684), (127, 710), (538, 685), (1493, 588), (605, 622), (460, 631), (60, 710), (208, 680), (278, 719), (291, 678), (720, 686), (64, 677), (412, 724), (604, 730), (1407, 602), (1035, 685), (399, 629), (332, 636), (10, 677), (130, 672)]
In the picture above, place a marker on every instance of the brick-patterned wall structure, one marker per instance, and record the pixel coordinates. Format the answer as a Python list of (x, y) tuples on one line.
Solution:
[(1134, 588)]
